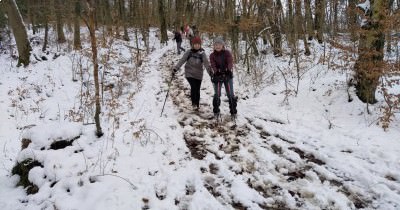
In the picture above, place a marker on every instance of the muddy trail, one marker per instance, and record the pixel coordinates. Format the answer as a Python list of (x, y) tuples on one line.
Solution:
[(246, 166)]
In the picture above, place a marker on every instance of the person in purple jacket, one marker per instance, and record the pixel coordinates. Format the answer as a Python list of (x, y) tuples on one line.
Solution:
[(221, 62)]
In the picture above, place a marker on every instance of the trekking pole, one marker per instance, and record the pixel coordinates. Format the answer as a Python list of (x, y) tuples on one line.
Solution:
[(169, 86)]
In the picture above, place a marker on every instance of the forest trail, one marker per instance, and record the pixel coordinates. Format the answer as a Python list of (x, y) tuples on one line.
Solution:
[(257, 163)]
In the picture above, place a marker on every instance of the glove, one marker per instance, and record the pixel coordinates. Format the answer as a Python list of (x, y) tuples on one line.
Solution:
[(230, 74)]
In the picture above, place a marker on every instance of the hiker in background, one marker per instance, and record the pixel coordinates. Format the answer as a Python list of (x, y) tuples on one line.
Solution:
[(189, 33), (195, 59), (186, 30), (178, 39), (195, 30), (221, 74)]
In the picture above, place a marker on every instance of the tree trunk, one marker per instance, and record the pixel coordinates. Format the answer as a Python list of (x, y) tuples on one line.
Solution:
[(352, 19), (92, 31), (107, 16), (77, 27), (163, 24), (276, 31), (31, 15), (144, 23), (300, 28), (334, 17), (179, 13), (46, 34), (123, 19), (290, 21), (19, 31), (59, 19), (368, 67), (320, 19), (309, 20), (234, 32)]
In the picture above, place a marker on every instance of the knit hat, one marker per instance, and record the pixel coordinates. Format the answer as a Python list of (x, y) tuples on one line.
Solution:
[(196, 40), (219, 40)]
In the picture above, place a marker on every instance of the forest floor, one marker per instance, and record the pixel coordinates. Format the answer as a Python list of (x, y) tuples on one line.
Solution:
[(314, 150)]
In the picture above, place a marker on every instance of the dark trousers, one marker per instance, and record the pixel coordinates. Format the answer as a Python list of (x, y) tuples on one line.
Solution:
[(179, 47), (228, 84), (195, 85)]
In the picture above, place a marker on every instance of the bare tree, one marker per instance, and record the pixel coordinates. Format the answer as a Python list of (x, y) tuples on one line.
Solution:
[(122, 12), (320, 19), (163, 23), (59, 21), (179, 13), (92, 30), (276, 29), (308, 19), (300, 31), (77, 27), (19, 31)]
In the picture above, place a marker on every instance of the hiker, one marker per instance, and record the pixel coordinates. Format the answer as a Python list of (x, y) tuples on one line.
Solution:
[(195, 59), (178, 39), (195, 30), (189, 34), (186, 29), (221, 62)]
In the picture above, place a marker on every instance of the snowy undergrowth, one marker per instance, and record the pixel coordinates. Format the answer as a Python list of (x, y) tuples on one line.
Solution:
[(310, 151)]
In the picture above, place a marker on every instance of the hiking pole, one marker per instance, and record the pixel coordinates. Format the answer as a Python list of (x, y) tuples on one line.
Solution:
[(169, 86)]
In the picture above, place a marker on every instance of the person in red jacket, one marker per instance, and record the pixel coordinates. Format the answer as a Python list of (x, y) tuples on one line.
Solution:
[(221, 62)]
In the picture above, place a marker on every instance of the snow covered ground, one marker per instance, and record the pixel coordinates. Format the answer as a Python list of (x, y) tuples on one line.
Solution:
[(315, 150)]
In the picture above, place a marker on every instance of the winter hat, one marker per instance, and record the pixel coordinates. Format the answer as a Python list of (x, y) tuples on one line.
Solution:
[(196, 40), (219, 40)]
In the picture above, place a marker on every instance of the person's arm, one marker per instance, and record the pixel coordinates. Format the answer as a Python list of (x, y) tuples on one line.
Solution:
[(213, 64), (182, 60), (206, 63), (229, 60)]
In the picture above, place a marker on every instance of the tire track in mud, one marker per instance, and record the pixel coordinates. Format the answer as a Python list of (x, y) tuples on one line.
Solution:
[(239, 152)]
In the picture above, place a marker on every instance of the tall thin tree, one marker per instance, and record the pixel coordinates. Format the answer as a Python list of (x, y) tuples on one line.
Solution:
[(59, 21), (77, 27), (92, 31), (320, 19), (163, 22)]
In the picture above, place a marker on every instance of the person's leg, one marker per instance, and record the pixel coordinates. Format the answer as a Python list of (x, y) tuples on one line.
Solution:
[(217, 95), (192, 89), (196, 87), (231, 96), (228, 84), (178, 46)]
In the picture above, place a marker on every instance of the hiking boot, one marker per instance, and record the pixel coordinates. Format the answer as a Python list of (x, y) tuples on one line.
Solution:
[(233, 116), (216, 103), (232, 106), (195, 107)]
